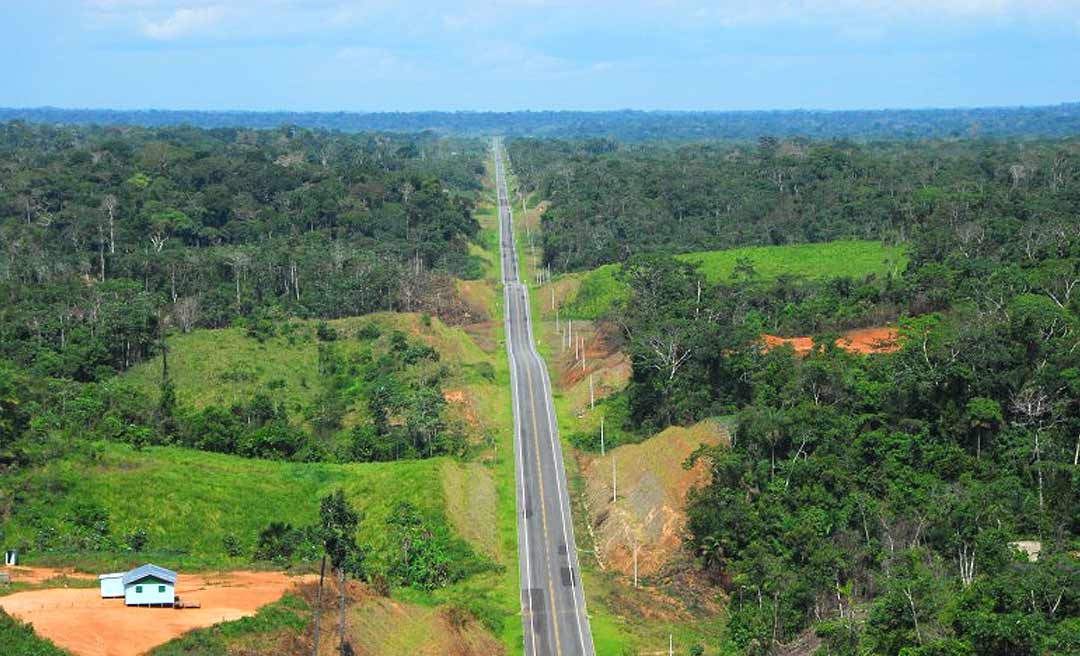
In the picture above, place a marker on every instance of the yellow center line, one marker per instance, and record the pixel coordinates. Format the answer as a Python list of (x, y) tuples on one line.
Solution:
[(543, 506)]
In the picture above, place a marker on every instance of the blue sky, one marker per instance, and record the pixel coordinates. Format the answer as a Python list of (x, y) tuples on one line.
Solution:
[(538, 54)]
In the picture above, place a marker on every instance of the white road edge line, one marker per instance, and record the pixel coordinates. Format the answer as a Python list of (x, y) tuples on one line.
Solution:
[(556, 451), (516, 409)]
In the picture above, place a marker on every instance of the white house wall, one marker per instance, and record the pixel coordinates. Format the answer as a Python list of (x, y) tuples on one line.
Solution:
[(112, 586), (150, 593)]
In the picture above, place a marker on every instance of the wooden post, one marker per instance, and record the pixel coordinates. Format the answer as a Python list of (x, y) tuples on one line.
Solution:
[(635, 562)]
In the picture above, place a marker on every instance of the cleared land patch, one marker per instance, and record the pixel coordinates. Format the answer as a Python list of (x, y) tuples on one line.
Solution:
[(195, 499), (600, 288), (226, 365), (863, 340), (79, 620)]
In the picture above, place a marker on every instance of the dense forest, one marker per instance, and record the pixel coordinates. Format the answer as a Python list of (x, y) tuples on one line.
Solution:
[(609, 201), (114, 238), (627, 125), (868, 504)]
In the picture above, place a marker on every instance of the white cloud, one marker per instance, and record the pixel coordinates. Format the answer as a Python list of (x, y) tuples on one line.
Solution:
[(763, 12), (183, 22), (468, 22)]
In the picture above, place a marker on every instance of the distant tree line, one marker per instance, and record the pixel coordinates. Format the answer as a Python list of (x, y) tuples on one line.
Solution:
[(627, 125)]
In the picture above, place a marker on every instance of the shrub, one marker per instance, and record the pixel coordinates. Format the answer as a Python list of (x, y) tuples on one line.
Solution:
[(232, 545), (260, 329), (137, 539), (325, 332), (369, 331), (277, 542)]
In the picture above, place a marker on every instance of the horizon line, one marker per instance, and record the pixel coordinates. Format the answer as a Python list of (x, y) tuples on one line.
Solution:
[(804, 110)]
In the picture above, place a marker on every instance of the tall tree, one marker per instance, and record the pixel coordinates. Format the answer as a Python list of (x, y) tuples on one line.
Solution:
[(339, 522)]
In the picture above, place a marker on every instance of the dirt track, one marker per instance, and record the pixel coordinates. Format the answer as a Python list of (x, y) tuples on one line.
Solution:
[(80, 621)]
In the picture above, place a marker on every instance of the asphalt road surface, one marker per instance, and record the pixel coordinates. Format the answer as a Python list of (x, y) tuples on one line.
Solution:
[(552, 601)]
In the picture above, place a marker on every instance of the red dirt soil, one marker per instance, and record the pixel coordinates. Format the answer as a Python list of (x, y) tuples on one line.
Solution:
[(864, 340), (35, 575), (80, 621), (652, 486)]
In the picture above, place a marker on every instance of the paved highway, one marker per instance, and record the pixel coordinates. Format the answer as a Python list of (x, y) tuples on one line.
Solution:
[(552, 601)]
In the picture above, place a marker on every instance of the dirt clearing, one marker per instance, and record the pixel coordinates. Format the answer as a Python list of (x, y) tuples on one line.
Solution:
[(35, 575), (80, 621), (863, 340)]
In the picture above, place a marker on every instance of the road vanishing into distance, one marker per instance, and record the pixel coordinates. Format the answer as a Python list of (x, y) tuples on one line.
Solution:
[(552, 600)]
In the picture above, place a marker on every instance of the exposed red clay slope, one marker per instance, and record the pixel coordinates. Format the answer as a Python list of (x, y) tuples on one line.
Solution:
[(652, 487), (864, 340)]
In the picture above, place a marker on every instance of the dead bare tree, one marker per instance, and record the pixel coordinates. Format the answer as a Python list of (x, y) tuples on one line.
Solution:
[(109, 204), (237, 260), (1035, 410), (1017, 172), (186, 312), (670, 351)]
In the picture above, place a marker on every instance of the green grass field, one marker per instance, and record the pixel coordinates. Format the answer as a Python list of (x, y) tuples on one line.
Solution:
[(224, 366), (600, 288), (188, 500)]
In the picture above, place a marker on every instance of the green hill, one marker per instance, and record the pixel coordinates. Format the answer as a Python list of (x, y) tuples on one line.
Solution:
[(188, 501), (600, 288), (227, 365)]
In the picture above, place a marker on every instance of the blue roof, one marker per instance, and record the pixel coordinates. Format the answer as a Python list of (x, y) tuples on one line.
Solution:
[(140, 573)]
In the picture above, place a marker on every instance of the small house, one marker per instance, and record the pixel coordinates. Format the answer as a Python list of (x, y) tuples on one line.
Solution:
[(112, 585), (11, 557), (150, 585)]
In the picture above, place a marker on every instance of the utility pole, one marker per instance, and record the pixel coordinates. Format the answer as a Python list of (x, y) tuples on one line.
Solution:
[(614, 488), (670, 645), (635, 562), (592, 395), (601, 434)]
